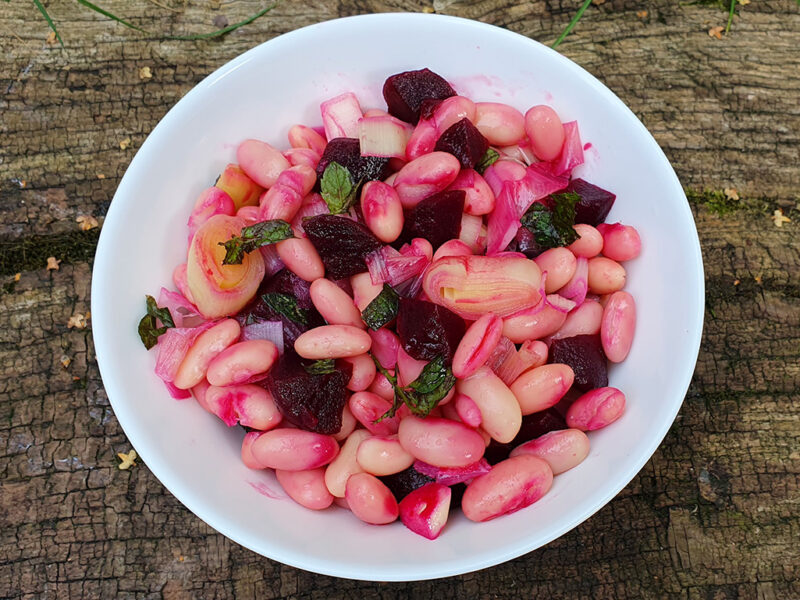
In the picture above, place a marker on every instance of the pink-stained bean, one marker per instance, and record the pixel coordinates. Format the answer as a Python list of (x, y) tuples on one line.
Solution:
[(452, 248), (521, 152), (422, 247), (477, 345), (440, 442), (540, 388), (545, 131), (596, 409), (422, 140), (385, 345), (562, 450), (283, 200), (512, 484), (301, 258), (307, 488), (501, 124), (502, 171), (294, 449), (242, 362), (382, 387), (261, 162), (206, 347), (364, 291), (605, 275), (501, 416), (533, 353), (249, 214), (332, 341), (370, 500), (212, 201), (367, 408), (301, 136), (302, 156), (618, 325), (363, 372), (382, 211), (590, 244), (345, 464), (247, 454), (533, 324), (408, 368), (451, 110), (448, 411), (583, 320), (349, 425), (341, 503), (179, 279), (334, 304), (199, 393), (246, 404), (560, 264), (468, 412), (424, 176), (340, 116), (383, 455), (620, 242), (479, 199)]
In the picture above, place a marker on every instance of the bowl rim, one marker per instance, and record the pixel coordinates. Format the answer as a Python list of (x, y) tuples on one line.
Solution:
[(103, 341)]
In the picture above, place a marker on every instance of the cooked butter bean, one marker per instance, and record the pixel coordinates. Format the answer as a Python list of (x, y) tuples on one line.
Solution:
[(545, 131), (284, 199), (512, 484), (605, 275), (620, 242), (294, 449), (247, 450), (301, 136), (583, 320), (242, 362), (408, 368), (301, 258), (467, 410), (501, 417), (261, 162), (370, 500), (479, 199), (562, 450), (501, 124), (559, 264), (383, 455), (382, 387), (440, 442), (533, 324), (302, 156), (334, 304), (307, 488), (618, 326), (364, 291), (332, 341), (367, 408), (542, 387), (451, 110), (363, 372), (422, 141), (345, 464), (596, 409), (385, 345), (477, 345), (249, 405), (206, 347), (424, 176), (382, 211), (349, 425), (452, 248), (589, 245)]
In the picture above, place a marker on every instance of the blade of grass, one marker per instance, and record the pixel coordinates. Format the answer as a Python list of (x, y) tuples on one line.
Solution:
[(105, 13), (572, 23), (730, 16), (47, 18), (224, 30)]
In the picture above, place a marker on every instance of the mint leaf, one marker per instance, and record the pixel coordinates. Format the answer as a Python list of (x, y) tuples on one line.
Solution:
[(286, 305), (424, 393), (253, 237), (149, 331), (337, 188), (487, 161), (382, 309), (552, 226), (321, 367)]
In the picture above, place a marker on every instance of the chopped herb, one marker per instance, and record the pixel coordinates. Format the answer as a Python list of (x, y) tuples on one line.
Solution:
[(487, 161), (286, 305), (321, 367), (149, 331), (337, 188), (552, 226), (382, 309), (424, 393), (253, 237)]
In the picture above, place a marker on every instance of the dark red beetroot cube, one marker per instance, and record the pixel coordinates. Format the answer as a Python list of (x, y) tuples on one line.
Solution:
[(342, 244), (525, 242), (405, 92), (311, 402), (437, 219), (347, 152), (428, 108), (465, 142), (403, 483), (595, 202), (584, 353), (427, 330), (533, 426)]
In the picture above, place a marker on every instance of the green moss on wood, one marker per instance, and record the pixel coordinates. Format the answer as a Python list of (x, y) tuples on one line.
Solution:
[(31, 253)]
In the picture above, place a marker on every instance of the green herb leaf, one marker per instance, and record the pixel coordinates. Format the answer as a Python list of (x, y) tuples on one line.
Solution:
[(149, 331), (487, 161), (286, 305), (572, 23), (424, 393), (224, 30), (105, 13), (253, 237), (47, 18), (321, 367), (553, 228), (337, 188), (382, 309)]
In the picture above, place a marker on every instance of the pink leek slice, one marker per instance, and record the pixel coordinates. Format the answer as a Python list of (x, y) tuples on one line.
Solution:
[(571, 153), (453, 475), (577, 287), (265, 330), (172, 348), (184, 313)]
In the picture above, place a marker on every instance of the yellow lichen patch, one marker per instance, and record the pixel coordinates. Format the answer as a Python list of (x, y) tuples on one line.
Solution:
[(731, 193), (87, 222), (52, 263), (642, 14), (128, 460), (716, 32), (51, 39), (123, 145), (17, 276), (77, 321), (65, 360), (779, 218), (145, 73)]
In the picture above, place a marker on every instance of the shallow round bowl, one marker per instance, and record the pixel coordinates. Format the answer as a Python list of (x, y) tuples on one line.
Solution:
[(261, 94)]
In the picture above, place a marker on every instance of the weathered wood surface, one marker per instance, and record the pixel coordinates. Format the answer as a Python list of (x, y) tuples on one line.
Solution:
[(714, 515)]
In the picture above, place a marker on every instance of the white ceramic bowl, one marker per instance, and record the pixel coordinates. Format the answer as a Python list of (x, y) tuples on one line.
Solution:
[(260, 94)]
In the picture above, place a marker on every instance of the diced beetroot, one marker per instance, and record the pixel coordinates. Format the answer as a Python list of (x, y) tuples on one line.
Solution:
[(465, 142), (347, 152), (405, 92), (427, 330), (584, 353), (595, 202), (525, 242), (428, 107), (311, 402), (437, 218), (403, 483), (342, 244), (457, 493), (533, 426), (425, 510)]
